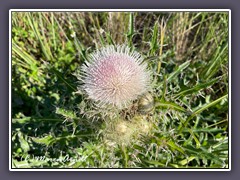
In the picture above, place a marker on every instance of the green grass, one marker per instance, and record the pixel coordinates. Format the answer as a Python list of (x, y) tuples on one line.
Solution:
[(187, 54)]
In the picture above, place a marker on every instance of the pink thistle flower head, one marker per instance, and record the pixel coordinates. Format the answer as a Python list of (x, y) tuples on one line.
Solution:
[(115, 76)]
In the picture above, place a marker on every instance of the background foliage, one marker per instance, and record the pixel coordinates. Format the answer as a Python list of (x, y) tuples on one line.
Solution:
[(188, 55)]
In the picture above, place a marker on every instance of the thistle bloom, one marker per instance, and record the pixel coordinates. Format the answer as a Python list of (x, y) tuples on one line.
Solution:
[(115, 76)]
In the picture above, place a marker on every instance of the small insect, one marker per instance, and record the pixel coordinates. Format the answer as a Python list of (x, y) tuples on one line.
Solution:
[(146, 103)]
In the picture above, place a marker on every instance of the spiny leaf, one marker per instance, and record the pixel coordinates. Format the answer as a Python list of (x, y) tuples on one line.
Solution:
[(69, 114), (187, 160), (198, 145), (178, 71), (23, 142), (29, 119), (212, 130), (156, 163), (44, 140), (20, 164), (174, 146), (170, 105), (206, 106), (197, 88)]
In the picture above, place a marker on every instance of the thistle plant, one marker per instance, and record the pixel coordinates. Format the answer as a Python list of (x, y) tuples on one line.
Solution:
[(115, 76)]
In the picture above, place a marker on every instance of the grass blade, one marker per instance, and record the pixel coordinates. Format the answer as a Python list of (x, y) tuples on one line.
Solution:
[(206, 106), (130, 33)]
